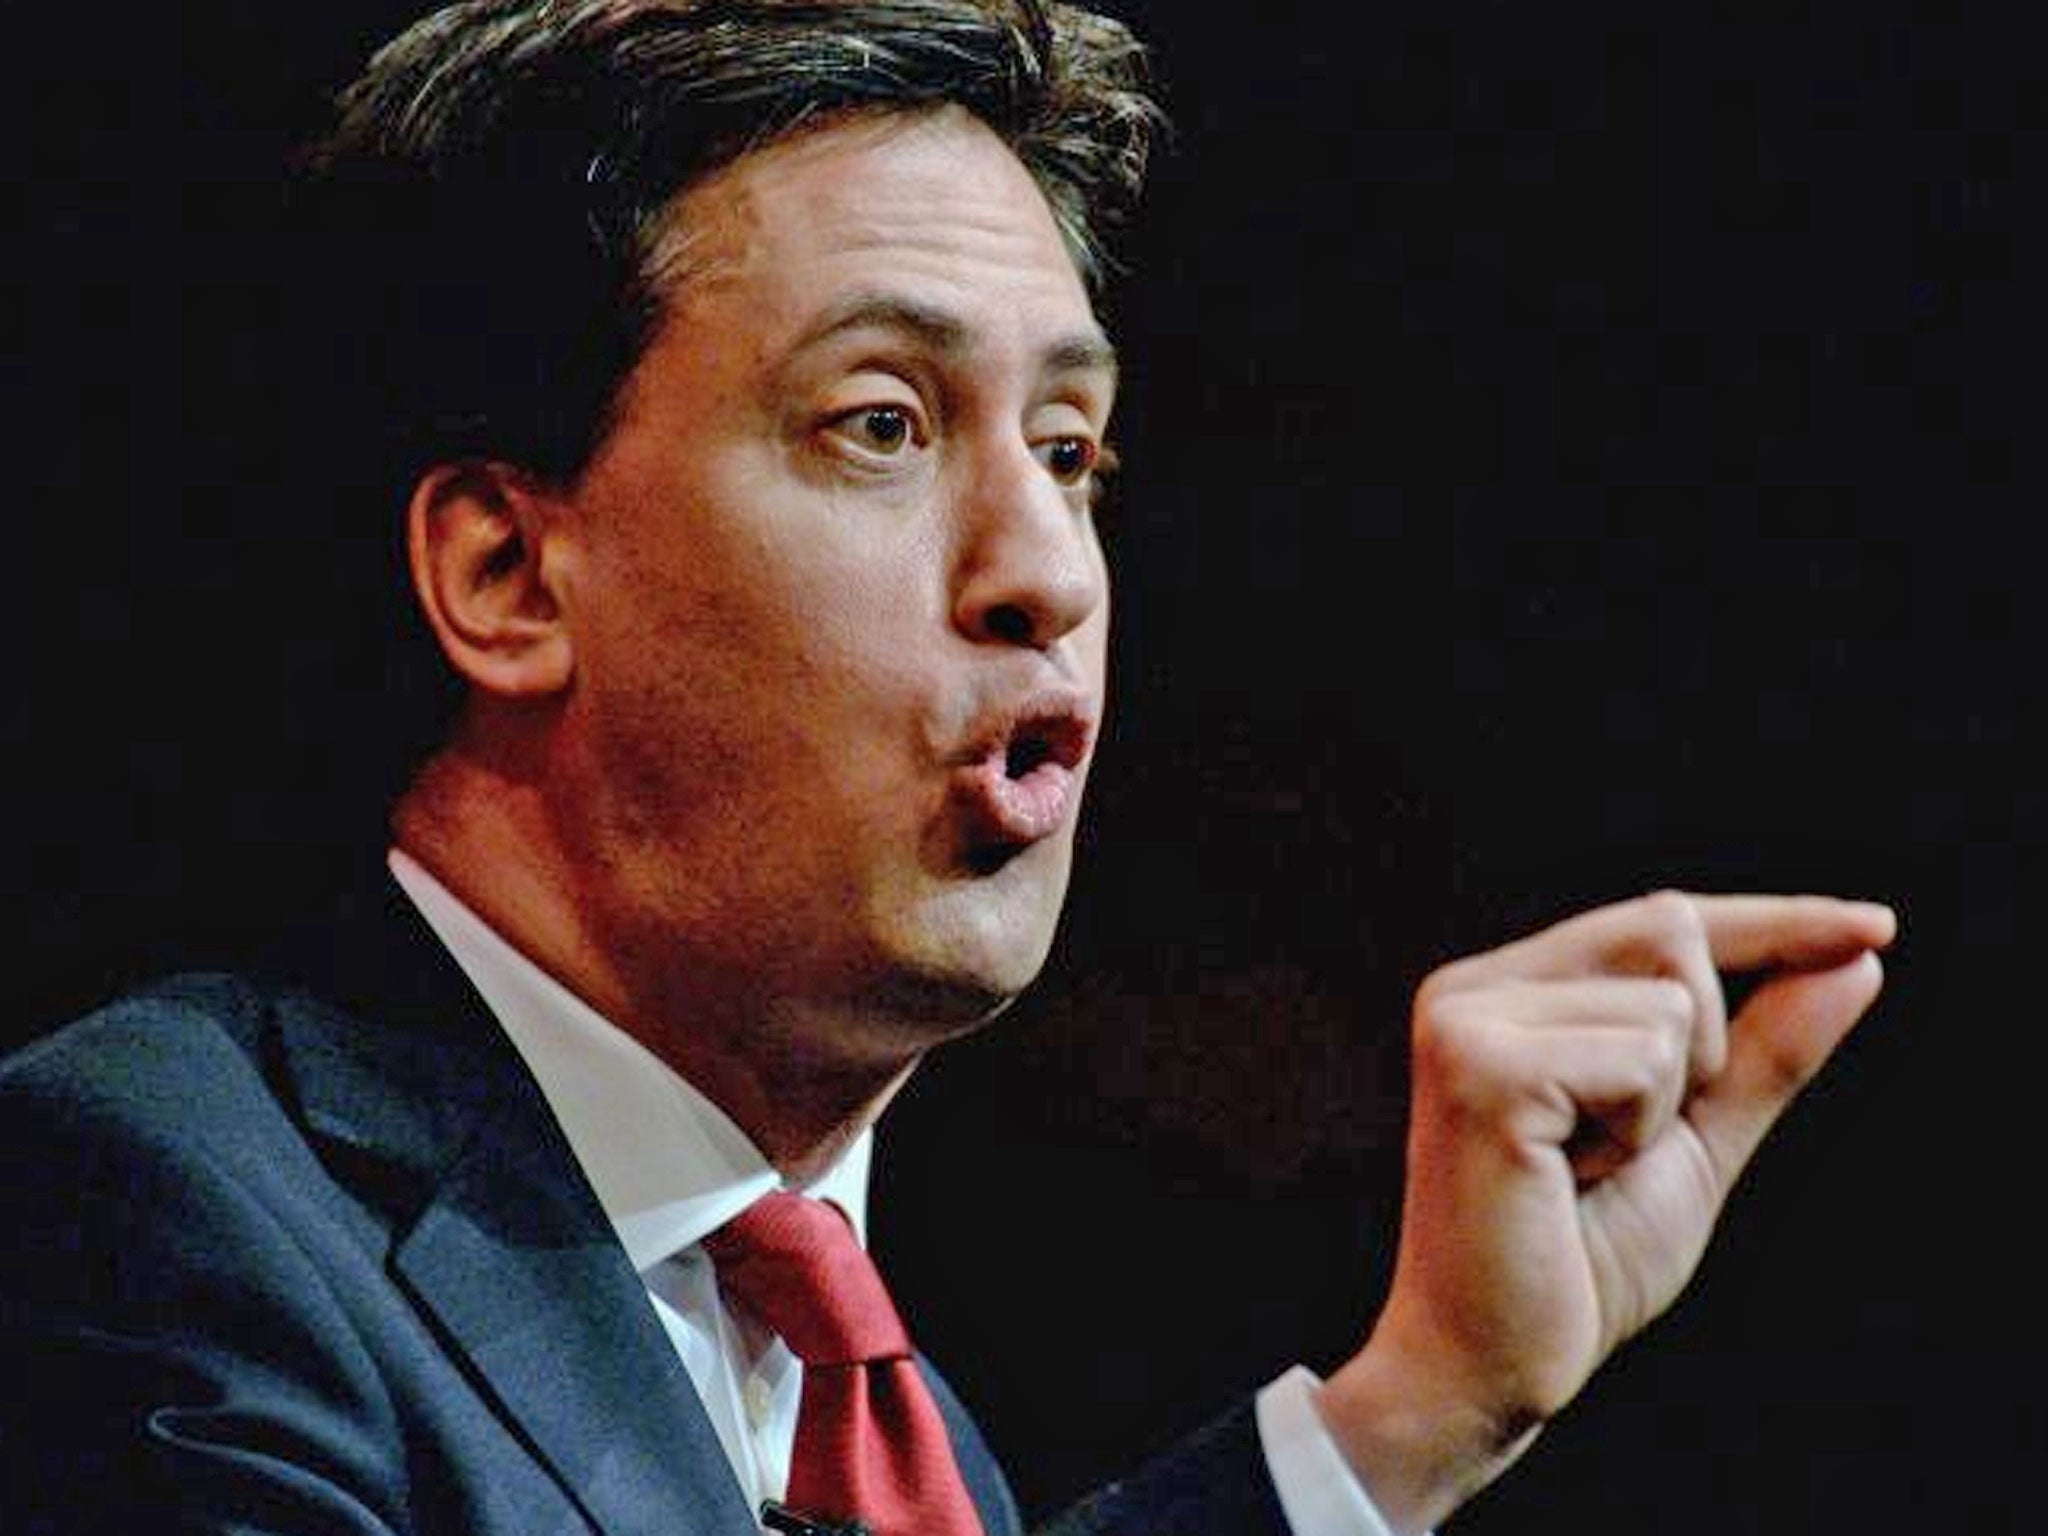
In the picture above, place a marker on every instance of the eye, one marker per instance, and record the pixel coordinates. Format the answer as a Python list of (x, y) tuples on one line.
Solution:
[(884, 431), (1069, 459)]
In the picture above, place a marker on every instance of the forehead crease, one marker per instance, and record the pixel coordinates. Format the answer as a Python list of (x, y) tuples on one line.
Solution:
[(950, 334), (915, 230), (936, 327)]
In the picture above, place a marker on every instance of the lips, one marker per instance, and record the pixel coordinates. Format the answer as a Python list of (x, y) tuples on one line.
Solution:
[(1021, 781)]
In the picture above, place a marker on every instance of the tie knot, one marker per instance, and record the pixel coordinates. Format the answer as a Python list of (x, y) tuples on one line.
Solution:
[(795, 1264)]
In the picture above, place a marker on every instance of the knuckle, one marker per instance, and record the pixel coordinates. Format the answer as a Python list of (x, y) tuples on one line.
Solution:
[(1451, 1047), (1442, 1019), (1665, 1055), (1440, 983), (1635, 1101), (1677, 1003), (1672, 917)]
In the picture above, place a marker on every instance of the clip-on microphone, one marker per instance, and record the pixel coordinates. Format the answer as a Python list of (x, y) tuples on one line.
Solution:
[(780, 1517)]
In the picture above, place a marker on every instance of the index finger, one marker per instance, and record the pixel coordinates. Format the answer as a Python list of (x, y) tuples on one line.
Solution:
[(1750, 933)]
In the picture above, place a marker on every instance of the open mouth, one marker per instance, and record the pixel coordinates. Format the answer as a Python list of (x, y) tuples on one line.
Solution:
[(1058, 739), (1024, 785), (1025, 754)]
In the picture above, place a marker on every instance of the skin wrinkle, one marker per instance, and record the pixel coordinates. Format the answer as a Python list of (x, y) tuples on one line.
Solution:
[(783, 637), (796, 641)]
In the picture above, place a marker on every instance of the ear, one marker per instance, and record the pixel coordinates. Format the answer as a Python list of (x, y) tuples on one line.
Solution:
[(485, 572)]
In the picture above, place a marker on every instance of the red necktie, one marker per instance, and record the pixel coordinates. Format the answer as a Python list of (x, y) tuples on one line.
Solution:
[(870, 1444)]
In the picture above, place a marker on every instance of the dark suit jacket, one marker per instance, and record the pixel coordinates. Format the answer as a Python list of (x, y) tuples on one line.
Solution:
[(314, 1257)]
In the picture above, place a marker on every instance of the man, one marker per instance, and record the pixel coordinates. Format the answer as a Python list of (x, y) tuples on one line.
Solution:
[(753, 401)]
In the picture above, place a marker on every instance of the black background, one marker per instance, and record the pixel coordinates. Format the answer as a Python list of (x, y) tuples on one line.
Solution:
[(1569, 451)]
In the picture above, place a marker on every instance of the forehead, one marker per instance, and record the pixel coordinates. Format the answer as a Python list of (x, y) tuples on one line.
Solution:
[(930, 209)]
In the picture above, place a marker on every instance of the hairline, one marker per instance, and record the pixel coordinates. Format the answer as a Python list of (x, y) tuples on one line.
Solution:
[(664, 266)]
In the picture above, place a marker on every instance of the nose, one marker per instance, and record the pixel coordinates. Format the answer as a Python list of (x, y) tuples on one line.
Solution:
[(1030, 569)]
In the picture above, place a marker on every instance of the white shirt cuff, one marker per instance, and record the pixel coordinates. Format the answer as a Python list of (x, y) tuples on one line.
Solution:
[(1319, 1493)]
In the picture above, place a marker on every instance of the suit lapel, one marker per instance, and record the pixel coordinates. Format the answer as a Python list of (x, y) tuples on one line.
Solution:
[(525, 1275), (496, 1233), (979, 1469)]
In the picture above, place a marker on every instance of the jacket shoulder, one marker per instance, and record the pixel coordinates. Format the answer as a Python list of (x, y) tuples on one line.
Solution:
[(187, 1050)]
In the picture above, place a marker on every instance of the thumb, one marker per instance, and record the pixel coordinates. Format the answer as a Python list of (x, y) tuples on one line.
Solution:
[(1781, 1038)]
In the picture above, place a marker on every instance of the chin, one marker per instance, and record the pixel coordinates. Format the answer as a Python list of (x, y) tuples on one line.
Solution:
[(960, 975), (934, 1006), (948, 954)]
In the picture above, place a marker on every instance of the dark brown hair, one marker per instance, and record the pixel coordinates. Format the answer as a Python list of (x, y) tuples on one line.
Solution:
[(492, 201)]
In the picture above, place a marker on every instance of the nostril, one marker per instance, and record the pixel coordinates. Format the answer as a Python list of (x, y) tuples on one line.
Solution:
[(1009, 623)]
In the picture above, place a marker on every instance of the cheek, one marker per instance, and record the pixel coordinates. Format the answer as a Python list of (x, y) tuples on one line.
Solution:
[(788, 644), (865, 621), (815, 699)]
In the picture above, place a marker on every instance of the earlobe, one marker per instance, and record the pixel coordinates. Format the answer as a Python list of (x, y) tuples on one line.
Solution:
[(483, 571)]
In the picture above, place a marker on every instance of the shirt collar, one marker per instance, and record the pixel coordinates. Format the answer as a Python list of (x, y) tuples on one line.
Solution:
[(668, 1165)]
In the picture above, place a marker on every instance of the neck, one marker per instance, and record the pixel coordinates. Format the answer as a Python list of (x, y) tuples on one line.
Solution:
[(487, 835)]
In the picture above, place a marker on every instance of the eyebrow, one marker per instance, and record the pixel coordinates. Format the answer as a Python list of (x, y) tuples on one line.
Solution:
[(945, 333)]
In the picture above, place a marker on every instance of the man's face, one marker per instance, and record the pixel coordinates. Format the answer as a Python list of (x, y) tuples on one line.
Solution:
[(838, 606)]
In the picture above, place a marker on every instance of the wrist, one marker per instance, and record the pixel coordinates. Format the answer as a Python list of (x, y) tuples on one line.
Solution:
[(1415, 1436)]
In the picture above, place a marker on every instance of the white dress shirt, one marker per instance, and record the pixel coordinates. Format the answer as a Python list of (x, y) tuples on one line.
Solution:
[(669, 1168)]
